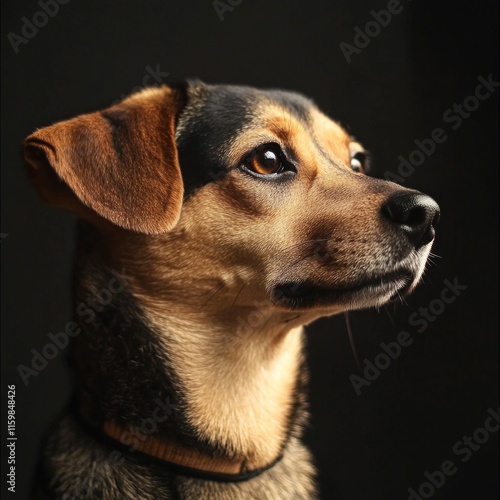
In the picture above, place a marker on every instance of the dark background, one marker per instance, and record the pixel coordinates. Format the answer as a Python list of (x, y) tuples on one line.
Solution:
[(396, 90)]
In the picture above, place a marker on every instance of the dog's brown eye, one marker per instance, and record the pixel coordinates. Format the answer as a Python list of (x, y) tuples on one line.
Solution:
[(266, 160), (359, 162)]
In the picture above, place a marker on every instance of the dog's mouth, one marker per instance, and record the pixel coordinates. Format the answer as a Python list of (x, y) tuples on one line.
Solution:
[(377, 290)]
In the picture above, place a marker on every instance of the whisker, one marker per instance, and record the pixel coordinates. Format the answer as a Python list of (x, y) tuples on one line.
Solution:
[(351, 340), (212, 289), (215, 290), (238, 294), (291, 319), (294, 264), (323, 240), (391, 319), (402, 298)]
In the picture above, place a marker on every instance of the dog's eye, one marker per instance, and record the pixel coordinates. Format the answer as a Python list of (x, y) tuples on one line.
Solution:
[(359, 162), (266, 160)]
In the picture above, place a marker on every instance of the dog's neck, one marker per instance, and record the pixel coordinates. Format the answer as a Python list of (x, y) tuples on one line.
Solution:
[(240, 387), (232, 365)]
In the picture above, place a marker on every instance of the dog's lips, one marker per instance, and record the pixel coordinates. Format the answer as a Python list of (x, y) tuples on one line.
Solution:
[(306, 294)]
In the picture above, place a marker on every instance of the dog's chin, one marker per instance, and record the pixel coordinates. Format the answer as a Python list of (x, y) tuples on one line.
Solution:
[(373, 291)]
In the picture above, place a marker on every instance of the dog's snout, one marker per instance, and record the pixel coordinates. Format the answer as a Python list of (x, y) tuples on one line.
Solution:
[(415, 213)]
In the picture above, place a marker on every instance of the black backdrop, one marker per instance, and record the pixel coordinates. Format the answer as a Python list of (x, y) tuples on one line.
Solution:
[(394, 91)]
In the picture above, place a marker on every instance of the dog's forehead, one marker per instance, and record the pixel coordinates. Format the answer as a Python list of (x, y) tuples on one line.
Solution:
[(223, 111), (218, 117)]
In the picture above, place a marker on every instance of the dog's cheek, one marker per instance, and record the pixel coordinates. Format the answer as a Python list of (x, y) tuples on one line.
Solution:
[(260, 198)]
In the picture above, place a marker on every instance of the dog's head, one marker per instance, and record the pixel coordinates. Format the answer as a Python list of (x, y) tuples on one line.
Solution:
[(257, 189)]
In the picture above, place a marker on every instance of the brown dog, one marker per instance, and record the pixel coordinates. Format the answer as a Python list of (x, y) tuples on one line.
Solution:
[(234, 216)]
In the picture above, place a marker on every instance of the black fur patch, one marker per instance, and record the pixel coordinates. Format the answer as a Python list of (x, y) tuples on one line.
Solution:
[(213, 117)]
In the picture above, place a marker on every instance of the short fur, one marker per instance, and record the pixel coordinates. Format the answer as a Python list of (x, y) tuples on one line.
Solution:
[(218, 270)]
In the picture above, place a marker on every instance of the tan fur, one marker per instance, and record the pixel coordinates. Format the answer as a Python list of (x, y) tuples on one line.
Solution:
[(332, 137), (233, 354), (199, 282), (204, 278)]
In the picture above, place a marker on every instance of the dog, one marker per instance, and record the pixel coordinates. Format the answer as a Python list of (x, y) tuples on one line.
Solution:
[(219, 220)]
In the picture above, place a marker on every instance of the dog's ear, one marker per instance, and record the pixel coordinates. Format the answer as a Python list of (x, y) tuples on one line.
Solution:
[(120, 163)]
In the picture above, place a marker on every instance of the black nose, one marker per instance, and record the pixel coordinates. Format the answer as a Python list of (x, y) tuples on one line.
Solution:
[(415, 213)]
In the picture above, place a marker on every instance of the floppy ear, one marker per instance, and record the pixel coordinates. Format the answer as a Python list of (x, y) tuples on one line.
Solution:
[(120, 163)]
